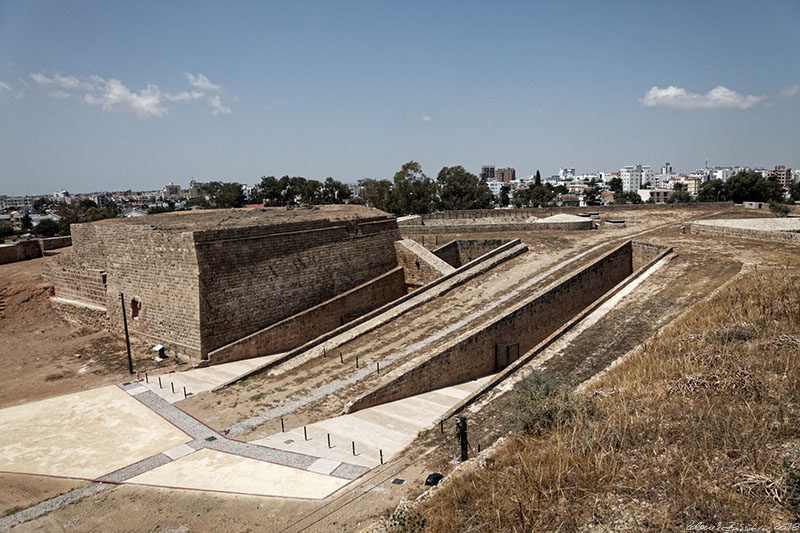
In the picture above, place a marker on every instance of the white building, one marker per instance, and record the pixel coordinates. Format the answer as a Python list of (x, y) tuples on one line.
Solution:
[(495, 186), (722, 173), (632, 177), (566, 174)]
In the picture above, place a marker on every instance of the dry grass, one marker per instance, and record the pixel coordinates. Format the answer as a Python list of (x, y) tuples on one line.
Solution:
[(701, 425)]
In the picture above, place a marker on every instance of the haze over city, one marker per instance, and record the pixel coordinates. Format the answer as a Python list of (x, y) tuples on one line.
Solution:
[(97, 96)]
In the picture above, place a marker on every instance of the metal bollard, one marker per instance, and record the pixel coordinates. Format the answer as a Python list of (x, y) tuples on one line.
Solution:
[(184, 393), (283, 430), (381, 452), (160, 386), (341, 358), (329, 440), (305, 433), (378, 363), (356, 361), (354, 447), (145, 378), (172, 384)]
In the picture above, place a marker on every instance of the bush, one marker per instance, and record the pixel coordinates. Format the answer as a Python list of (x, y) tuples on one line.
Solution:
[(47, 228), (539, 403), (778, 208), (6, 230), (404, 521)]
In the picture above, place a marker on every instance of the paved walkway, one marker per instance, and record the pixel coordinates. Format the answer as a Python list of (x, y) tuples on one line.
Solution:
[(385, 429), (199, 380)]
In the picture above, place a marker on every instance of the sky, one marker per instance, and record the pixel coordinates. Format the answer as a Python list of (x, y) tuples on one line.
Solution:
[(114, 95)]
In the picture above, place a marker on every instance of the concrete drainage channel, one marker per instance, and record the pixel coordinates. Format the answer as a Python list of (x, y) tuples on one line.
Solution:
[(519, 333)]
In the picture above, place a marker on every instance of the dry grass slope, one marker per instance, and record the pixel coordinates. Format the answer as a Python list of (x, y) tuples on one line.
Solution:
[(701, 425)]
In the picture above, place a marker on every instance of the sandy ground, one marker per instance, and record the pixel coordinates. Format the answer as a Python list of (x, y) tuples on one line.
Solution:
[(43, 355), (703, 263)]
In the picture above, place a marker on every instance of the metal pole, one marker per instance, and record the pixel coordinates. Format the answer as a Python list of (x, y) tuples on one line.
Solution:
[(461, 429), (354, 447), (329, 440), (127, 338), (282, 428), (305, 433)]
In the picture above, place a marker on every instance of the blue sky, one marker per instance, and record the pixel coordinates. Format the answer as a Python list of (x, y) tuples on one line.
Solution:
[(118, 95)]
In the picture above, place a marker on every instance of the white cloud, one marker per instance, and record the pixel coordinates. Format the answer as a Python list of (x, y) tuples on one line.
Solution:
[(115, 96), (791, 90), (112, 95), (202, 83), (4, 87), (679, 99), (41, 79), (426, 118), (218, 107), (183, 96)]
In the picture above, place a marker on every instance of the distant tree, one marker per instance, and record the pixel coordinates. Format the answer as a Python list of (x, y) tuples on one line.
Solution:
[(86, 204), (748, 186), (223, 195), (334, 192), (794, 191), (626, 198), (712, 191), (678, 186), (94, 214), (504, 198), (26, 221), (5, 230), (268, 192), (460, 189), (376, 193), (537, 180), (47, 228), (778, 208), (159, 209), (679, 197), (413, 193), (615, 184), (591, 196)]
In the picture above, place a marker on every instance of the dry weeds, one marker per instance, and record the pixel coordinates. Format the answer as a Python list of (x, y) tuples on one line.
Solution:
[(701, 425)]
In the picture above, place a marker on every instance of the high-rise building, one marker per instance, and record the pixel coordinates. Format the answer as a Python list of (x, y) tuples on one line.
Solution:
[(631, 176), (566, 174), (506, 174), (487, 172), (781, 174)]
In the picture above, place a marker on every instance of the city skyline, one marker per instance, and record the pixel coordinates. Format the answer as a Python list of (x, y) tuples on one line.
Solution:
[(103, 98)]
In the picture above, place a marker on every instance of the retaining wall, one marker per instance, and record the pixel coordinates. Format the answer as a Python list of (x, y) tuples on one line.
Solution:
[(461, 252), (419, 265), (310, 324), (780, 236), (526, 325), (19, 251)]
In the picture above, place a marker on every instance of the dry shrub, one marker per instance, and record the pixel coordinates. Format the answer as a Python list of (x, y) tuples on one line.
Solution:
[(699, 429)]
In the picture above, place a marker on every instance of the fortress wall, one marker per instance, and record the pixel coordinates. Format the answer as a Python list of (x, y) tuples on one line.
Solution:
[(781, 236), (526, 324), (311, 323), (420, 265), (462, 251), (251, 278), (19, 251)]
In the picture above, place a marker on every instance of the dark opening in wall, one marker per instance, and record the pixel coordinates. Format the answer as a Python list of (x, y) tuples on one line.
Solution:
[(136, 306)]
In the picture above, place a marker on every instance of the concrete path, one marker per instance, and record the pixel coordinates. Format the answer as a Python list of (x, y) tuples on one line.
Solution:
[(386, 428), (200, 379)]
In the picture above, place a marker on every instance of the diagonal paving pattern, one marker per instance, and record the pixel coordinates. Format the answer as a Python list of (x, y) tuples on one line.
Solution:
[(386, 428)]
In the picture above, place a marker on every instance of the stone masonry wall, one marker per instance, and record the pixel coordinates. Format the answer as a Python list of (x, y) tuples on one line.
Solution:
[(156, 271), (19, 251), (461, 252), (311, 323), (420, 265), (526, 324), (781, 236), (251, 278)]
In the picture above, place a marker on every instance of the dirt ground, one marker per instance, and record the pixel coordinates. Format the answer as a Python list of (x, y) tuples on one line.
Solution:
[(51, 343), (42, 354)]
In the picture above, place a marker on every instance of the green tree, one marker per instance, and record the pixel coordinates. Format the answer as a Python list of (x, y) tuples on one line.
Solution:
[(334, 192), (626, 198), (377, 193), (712, 191), (413, 192), (537, 180), (48, 228), (504, 198), (748, 186), (794, 191), (94, 214), (223, 195), (26, 221), (269, 191), (5, 230), (615, 184), (86, 204), (460, 189), (679, 197)]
